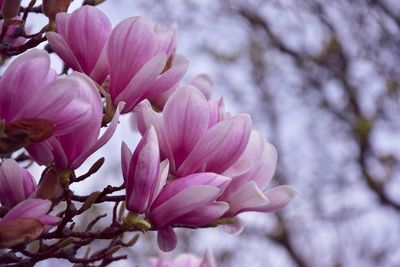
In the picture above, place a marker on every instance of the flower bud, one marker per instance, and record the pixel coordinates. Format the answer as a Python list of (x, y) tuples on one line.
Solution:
[(49, 186), (52, 7), (19, 231), (10, 9)]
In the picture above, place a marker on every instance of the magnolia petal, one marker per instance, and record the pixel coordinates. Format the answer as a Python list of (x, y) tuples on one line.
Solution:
[(28, 209), (216, 108), (183, 202), (41, 153), (268, 162), (11, 183), (279, 197), (164, 171), (92, 28), (246, 198), (235, 228), (101, 141), (219, 147), (82, 138), (126, 156), (60, 158), (49, 220), (22, 80), (206, 178), (167, 80), (130, 46), (185, 120), (61, 22), (29, 183), (204, 83), (147, 117), (100, 70), (138, 86), (250, 157), (204, 216), (166, 238), (62, 49), (144, 169), (60, 106)]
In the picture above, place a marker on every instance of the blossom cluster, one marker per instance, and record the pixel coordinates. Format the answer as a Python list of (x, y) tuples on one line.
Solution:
[(195, 166)]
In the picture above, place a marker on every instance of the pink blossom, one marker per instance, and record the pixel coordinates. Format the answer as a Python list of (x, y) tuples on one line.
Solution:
[(71, 150), (16, 183), (143, 175), (183, 260), (25, 222), (187, 201), (31, 97), (80, 41), (194, 134), (138, 53), (251, 175)]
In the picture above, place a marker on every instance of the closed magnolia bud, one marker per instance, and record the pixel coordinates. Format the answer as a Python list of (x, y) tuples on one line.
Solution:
[(49, 187), (19, 231), (10, 9), (52, 7)]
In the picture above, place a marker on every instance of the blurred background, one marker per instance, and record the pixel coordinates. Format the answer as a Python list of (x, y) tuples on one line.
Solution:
[(321, 80)]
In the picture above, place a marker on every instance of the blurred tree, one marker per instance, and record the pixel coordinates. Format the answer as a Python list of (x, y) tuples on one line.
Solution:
[(322, 79)]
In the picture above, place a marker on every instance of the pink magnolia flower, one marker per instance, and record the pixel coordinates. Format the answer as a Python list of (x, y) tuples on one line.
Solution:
[(80, 41), (145, 179), (183, 260), (143, 175), (194, 134), (70, 150), (25, 222), (138, 54), (16, 183), (189, 201), (251, 175), (32, 97)]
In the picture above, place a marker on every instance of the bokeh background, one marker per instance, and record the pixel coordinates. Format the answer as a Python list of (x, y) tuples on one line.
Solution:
[(321, 80)]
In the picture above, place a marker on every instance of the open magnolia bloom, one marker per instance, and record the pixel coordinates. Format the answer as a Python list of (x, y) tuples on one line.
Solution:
[(36, 105), (139, 53), (197, 136), (16, 183), (188, 201), (70, 150), (25, 222), (80, 41), (194, 134)]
